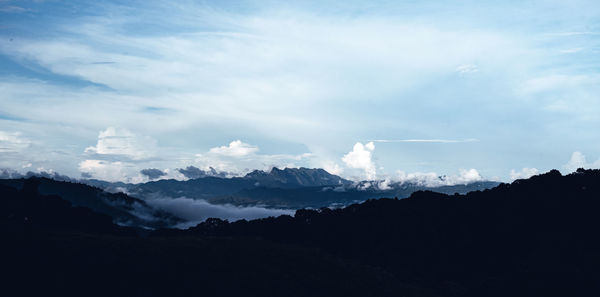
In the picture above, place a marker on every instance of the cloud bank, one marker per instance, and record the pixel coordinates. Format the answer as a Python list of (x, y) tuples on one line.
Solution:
[(432, 179), (198, 210)]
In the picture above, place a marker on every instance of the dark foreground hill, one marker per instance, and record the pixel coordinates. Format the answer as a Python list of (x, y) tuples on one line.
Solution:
[(535, 237), (123, 209)]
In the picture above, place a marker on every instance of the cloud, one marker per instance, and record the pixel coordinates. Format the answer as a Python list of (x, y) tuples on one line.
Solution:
[(198, 210), (193, 172), (120, 142), (235, 148), (524, 173), (467, 68), (384, 185), (333, 168), (427, 140), (432, 179), (570, 50), (12, 9), (578, 160), (106, 170), (361, 158), (12, 142), (152, 173)]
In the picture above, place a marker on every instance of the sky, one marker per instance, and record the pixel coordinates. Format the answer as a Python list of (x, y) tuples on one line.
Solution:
[(364, 89)]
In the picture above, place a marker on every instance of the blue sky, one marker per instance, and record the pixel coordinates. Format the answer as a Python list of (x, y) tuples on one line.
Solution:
[(384, 89)]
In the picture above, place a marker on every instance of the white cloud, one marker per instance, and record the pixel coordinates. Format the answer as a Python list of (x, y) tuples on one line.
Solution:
[(235, 149), (332, 167), (122, 142), (12, 142), (105, 170), (361, 158), (578, 160), (432, 179), (466, 176), (524, 173), (384, 185)]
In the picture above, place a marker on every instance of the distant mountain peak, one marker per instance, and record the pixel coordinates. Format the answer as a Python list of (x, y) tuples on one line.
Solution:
[(295, 177)]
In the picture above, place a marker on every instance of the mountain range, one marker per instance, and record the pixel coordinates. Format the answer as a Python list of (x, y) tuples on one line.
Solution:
[(281, 188)]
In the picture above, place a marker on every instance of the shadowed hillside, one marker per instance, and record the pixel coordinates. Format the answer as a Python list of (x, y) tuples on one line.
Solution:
[(124, 210), (533, 237)]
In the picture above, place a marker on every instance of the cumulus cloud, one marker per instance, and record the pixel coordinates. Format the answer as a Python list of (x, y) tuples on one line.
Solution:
[(361, 158), (524, 173), (198, 210), (235, 148), (152, 173), (120, 142), (578, 160), (12, 142)]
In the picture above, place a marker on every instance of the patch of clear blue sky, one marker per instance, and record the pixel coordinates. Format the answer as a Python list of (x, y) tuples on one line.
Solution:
[(516, 128)]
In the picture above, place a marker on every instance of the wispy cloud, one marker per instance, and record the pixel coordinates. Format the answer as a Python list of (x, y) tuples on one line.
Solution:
[(426, 140)]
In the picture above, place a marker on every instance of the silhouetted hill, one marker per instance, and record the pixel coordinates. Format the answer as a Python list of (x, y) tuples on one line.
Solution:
[(123, 209), (50, 248), (535, 237), (283, 188), (25, 213)]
